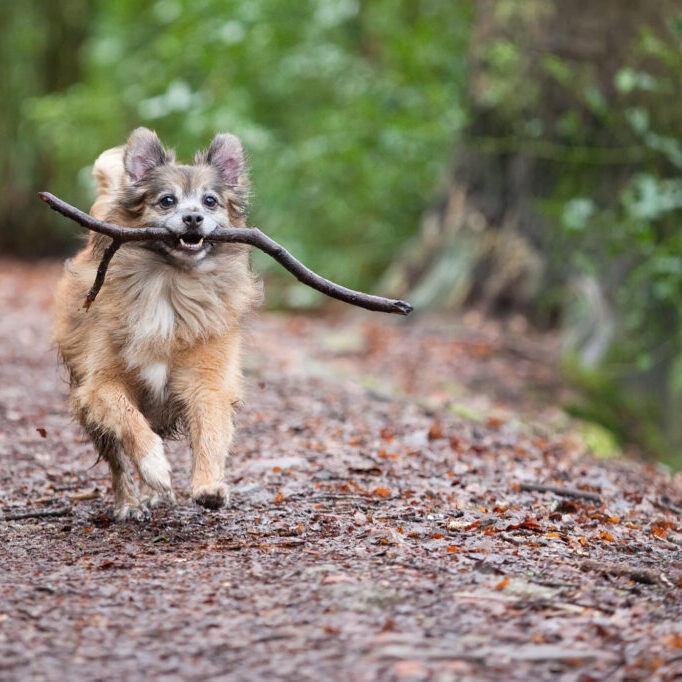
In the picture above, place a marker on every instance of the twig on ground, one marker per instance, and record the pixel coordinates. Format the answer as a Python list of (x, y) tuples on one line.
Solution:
[(348, 498), (667, 541), (246, 235), (636, 573), (559, 490), (90, 495), (513, 539), (37, 514), (666, 504)]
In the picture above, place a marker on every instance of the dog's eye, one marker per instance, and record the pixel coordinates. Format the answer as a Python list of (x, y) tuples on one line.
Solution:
[(167, 201), (210, 201)]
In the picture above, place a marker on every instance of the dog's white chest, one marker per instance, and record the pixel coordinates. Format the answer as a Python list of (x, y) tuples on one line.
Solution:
[(151, 327), (155, 378)]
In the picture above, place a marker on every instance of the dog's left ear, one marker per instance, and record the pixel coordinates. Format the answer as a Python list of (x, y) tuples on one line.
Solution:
[(227, 155), (142, 153)]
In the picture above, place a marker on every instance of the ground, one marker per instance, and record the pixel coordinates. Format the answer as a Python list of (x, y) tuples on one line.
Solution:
[(383, 523)]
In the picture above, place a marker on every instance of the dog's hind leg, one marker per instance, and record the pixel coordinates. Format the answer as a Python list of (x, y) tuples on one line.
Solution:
[(126, 502), (150, 498)]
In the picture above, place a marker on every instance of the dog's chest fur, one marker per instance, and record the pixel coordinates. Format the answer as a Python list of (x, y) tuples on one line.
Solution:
[(161, 311)]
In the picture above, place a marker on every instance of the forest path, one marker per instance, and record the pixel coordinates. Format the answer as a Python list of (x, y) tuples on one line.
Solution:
[(379, 528)]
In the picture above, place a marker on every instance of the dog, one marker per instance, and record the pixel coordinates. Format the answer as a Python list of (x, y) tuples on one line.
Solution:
[(158, 353)]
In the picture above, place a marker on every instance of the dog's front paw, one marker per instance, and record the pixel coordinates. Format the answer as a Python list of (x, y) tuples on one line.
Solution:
[(155, 469), (212, 496), (150, 498), (131, 512)]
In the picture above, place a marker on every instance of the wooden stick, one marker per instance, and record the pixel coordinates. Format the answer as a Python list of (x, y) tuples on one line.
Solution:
[(36, 514), (246, 235), (101, 272), (558, 490)]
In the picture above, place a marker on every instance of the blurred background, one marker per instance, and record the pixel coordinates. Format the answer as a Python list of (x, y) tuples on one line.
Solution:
[(522, 157)]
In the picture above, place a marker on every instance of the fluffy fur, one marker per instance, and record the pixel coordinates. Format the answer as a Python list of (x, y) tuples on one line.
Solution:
[(159, 350)]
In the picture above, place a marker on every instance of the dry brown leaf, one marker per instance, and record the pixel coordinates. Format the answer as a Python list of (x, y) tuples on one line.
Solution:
[(673, 640), (436, 431)]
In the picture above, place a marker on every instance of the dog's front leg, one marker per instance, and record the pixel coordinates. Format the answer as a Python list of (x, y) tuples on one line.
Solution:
[(105, 409), (208, 384)]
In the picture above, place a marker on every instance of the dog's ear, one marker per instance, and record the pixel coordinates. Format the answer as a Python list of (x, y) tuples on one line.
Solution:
[(227, 155), (143, 152)]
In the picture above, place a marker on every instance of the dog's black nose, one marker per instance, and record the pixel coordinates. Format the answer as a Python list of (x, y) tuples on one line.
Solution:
[(193, 219)]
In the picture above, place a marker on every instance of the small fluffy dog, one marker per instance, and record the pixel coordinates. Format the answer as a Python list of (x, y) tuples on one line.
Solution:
[(159, 350)]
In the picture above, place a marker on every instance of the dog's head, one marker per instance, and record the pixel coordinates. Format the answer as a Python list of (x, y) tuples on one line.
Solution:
[(188, 201)]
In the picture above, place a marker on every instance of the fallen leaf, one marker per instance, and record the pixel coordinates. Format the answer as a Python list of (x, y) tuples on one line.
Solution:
[(336, 578), (436, 431), (359, 518), (389, 455), (409, 668), (673, 641), (494, 422)]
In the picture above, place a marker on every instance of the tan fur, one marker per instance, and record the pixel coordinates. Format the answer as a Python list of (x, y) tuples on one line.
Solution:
[(158, 351)]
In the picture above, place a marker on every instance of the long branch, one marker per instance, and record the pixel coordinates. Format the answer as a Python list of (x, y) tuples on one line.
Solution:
[(247, 235)]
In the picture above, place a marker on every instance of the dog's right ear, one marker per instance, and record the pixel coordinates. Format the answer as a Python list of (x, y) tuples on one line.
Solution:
[(143, 152)]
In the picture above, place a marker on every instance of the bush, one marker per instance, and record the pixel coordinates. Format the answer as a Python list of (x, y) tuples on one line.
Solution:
[(347, 110)]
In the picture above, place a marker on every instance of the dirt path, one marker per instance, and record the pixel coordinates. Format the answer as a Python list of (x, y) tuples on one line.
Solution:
[(377, 529)]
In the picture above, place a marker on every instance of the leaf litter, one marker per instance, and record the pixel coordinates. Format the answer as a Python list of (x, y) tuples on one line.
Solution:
[(411, 505)]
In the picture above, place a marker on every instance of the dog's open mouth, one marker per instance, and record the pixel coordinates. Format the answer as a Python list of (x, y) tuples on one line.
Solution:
[(190, 246), (190, 242), (187, 249)]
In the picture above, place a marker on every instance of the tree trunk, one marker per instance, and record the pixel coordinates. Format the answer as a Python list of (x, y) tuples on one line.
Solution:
[(536, 68)]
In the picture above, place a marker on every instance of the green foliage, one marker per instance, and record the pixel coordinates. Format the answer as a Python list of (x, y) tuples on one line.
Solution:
[(636, 232), (347, 109), (33, 63), (605, 144)]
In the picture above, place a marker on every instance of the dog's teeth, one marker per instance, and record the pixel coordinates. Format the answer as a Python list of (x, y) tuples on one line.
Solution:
[(191, 245)]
